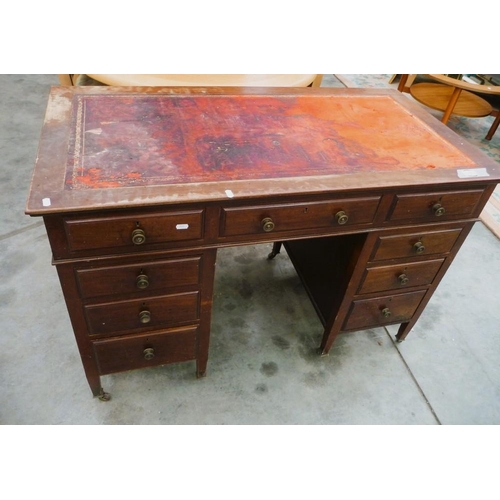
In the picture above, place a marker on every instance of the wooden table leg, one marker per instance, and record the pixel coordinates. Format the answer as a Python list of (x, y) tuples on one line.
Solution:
[(451, 104), (493, 127)]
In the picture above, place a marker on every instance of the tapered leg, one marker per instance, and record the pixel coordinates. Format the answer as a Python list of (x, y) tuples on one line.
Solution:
[(201, 367), (94, 381), (275, 251), (404, 330), (328, 339), (209, 257)]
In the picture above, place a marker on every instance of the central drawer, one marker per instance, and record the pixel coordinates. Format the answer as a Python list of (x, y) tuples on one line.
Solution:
[(151, 313), (262, 219)]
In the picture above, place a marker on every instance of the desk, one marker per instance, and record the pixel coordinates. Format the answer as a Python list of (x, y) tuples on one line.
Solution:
[(138, 188)]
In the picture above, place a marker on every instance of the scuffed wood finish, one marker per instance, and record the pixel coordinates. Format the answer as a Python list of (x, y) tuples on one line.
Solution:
[(139, 187)]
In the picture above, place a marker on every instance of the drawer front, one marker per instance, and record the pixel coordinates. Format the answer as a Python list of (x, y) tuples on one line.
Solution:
[(379, 279), (142, 278), (381, 311), (436, 206), (140, 351), (413, 245), (151, 313), (288, 217), (141, 231)]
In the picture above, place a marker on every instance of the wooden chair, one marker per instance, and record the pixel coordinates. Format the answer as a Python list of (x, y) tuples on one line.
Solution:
[(454, 96)]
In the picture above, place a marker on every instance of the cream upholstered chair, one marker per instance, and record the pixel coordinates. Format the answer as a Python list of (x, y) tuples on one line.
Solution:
[(194, 80)]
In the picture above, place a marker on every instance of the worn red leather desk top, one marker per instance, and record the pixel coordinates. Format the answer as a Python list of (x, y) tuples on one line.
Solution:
[(136, 146)]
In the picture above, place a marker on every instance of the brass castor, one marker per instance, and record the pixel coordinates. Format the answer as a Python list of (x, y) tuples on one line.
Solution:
[(104, 396)]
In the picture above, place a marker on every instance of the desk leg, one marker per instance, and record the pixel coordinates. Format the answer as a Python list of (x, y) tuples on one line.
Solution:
[(275, 251), (328, 340), (75, 310), (207, 292)]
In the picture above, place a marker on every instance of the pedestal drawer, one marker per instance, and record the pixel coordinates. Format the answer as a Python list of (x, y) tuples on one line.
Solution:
[(415, 244), (151, 313), (381, 278), (366, 313), (150, 349), (143, 277)]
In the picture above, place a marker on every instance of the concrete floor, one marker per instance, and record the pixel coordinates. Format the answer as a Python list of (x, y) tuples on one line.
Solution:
[(263, 368)]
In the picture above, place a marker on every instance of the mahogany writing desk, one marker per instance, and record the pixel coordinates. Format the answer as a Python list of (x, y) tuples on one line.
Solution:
[(138, 187)]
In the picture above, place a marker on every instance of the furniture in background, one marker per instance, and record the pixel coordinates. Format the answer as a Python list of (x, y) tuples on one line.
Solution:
[(194, 80), (455, 96), (138, 188)]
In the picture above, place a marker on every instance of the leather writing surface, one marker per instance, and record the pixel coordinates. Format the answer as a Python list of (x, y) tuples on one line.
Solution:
[(120, 140)]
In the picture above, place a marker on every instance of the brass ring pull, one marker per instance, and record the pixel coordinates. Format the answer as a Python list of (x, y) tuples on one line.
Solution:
[(267, 224), (438, 209), (341, 217), (403, 279), (144, 317), (419, 247), (138, 237), (386, 312), (142, 281), (149, 353)]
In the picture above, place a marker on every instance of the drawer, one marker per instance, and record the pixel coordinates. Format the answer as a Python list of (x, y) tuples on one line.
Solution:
[(149, 349), (368, 313), (416, 244), (381, 278), (138, 231), (143, 277), (436, 206), (295, 216), (151, 313)]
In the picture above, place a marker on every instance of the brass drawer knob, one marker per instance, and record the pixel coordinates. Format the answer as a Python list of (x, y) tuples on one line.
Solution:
[(142, 281), (438, 209), (267, 224), (149, 353), (419, 247), (138, 237), (341, 217), (144, 317), (386, 312), (403, 279)]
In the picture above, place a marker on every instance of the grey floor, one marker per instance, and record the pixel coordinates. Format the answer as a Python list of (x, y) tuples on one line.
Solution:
[(263, 368)]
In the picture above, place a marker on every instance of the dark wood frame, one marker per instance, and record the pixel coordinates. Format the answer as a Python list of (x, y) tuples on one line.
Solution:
[(354, 242)]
